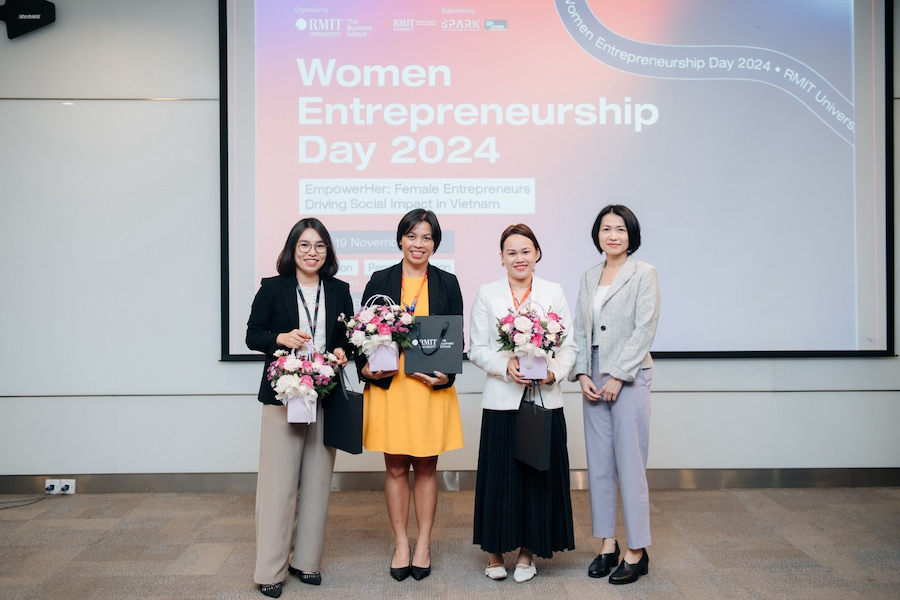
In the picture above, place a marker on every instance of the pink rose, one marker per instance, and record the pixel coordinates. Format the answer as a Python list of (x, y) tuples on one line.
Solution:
[(307, 381), (508, 319), (384, 329)]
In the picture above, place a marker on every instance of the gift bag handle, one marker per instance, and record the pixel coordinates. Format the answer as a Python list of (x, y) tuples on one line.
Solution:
[(375, 297), (529, 393), (436, 346), (342, 379)]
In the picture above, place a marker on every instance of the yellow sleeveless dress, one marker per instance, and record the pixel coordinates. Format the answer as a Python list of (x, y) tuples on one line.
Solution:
[(410, 417)]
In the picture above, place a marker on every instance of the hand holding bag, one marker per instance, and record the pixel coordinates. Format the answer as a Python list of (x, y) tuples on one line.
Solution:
[(533, 430), (344, 417)]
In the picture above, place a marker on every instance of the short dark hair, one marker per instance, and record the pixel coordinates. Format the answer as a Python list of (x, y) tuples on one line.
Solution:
[(413, 218), (287, 266), (631, 224), (521, 229)]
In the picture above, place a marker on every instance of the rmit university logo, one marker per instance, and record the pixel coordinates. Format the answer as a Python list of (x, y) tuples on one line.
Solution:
[(321, 27), (24, 16)]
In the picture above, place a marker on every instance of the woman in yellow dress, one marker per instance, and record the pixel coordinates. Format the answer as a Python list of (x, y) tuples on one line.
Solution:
[(412, 418)]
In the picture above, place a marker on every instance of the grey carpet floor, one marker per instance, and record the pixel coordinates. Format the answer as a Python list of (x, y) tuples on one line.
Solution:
[(840, 543)]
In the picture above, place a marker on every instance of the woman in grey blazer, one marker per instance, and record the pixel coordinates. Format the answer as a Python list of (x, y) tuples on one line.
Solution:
[(615, 323)]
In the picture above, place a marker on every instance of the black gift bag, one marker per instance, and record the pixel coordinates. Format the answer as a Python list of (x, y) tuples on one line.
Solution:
[(344, 417), (533, 430), (437, 345)]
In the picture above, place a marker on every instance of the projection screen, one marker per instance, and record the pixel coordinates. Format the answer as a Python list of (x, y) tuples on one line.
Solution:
[(750, 139)]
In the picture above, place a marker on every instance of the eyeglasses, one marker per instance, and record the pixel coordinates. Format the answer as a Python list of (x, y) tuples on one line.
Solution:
[(305, 247)]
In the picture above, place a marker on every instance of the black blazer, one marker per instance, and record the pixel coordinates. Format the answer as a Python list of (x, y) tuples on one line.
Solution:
[(444, 298), (275, 311)]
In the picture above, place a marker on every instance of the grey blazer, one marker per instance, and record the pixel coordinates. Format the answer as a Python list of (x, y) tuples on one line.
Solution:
[(628, 320)]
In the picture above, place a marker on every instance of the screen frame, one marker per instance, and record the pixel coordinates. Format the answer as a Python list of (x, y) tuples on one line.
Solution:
[(225, 26)]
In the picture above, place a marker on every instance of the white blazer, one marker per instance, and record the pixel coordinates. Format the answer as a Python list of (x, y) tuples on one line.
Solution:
[(493, 302)]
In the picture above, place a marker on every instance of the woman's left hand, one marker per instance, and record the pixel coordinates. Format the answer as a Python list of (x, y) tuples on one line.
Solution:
[(341, 356), (610, 390), (437, 378)]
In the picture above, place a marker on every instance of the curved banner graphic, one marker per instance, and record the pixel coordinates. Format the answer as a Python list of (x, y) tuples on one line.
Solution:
[(748, 63)]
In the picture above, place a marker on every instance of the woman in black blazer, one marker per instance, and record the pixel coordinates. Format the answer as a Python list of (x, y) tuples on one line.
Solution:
[(299, 306), (412, 418)]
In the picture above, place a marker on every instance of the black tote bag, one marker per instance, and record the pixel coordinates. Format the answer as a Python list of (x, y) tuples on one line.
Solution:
[(437, 345), (344, 418), (533, 430)]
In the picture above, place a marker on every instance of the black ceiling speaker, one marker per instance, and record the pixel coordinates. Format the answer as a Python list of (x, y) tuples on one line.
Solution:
[(24, 16)]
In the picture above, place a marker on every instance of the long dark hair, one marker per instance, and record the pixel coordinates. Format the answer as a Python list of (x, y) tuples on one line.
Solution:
[(287, 266)]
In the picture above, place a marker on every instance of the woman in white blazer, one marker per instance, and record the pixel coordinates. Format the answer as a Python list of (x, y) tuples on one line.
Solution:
[(516, 506), (615, 323)]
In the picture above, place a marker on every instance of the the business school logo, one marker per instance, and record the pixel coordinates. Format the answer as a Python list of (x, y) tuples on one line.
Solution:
[(24, 16)]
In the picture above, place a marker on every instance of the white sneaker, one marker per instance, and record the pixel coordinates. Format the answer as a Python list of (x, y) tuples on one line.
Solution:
[(524, 573), (495, 572)]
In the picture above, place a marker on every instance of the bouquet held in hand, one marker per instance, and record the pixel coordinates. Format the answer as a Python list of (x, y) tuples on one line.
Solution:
[(532, 334), (379, 330), (299, 380)]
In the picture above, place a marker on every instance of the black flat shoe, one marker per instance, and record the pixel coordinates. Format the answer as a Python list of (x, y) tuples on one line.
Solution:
[(603, 564), (308, 578), (627, 573), (419, 573), (272, 590)]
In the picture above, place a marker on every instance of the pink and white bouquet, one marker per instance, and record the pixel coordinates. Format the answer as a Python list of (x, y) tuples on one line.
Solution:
[(379, 330), (532, 334), (299, 380)]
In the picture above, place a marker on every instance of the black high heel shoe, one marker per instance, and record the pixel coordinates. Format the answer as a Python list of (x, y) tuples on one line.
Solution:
[(401, 573), (419, 573), (628, 573), (603, 564)]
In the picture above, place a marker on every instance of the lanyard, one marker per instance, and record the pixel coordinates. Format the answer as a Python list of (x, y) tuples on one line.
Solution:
[(411, 308), (516, 302), (315, 320)]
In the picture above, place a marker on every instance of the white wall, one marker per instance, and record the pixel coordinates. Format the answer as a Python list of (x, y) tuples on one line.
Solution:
[(109, 263)]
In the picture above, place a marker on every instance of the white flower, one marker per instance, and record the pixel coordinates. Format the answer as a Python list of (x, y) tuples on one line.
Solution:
[(366, 315), (523, 324), (406, 318), (554, 327), (279, 353), (551, 337), (287, 386), (357, 338), (520, 338), (351, 323), (388, 317), (371, 328), (292, 364), (326, 371), (505, 328)]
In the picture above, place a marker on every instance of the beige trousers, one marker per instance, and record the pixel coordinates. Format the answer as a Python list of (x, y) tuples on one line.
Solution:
[(292, 492)]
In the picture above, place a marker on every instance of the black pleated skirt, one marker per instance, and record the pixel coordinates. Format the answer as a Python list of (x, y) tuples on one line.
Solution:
[(515, 505)]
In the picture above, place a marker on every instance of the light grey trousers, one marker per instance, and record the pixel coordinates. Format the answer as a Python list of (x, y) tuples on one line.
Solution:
[(295, 467), (617, 436)]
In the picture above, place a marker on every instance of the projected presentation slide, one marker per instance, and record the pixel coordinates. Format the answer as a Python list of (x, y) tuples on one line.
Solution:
[(747, 137)]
